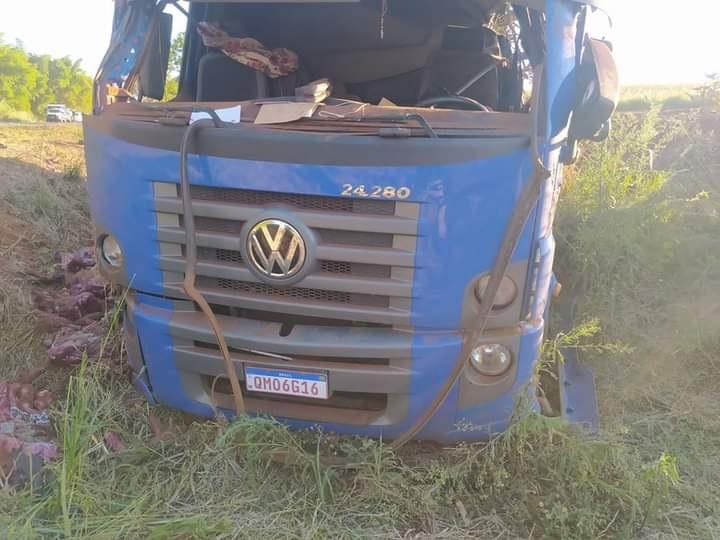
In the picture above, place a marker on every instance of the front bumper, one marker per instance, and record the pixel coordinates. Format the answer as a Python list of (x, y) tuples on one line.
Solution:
[(174, 363)]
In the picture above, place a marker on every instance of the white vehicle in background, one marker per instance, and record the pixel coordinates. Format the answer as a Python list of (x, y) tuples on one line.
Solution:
[(77, 116), (58, 113)]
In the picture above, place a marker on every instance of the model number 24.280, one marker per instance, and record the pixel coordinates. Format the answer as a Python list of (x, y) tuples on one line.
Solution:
[(376, 192)]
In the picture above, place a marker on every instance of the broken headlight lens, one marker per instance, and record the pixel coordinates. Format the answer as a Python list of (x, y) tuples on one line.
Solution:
[(111, 251), (506, 293)]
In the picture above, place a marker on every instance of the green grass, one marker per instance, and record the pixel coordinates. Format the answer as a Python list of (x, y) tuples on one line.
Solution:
[(8, 114), (42, 182), (57, 206), (645, 98), (221, 481), (637, 250), (671, 98)]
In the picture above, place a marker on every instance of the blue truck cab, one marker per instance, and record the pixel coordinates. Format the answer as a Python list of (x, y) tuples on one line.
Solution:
[(345, 221)]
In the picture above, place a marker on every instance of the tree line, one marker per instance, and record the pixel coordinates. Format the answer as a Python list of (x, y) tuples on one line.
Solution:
[(29, 82)]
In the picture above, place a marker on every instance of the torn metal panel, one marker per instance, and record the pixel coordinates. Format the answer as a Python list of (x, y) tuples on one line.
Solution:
[(131, 24), (578, 395)]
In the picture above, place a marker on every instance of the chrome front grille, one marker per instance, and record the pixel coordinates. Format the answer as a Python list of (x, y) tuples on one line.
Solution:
[(355, 304)]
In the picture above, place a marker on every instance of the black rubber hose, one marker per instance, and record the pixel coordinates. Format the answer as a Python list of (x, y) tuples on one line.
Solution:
[(191, 260)]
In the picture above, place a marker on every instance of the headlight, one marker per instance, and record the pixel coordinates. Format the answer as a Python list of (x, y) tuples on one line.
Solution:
[(506, 293), (491, 360), (111, 252)]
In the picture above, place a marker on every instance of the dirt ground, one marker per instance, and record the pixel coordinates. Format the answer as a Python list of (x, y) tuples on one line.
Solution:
[(638, 248), (43, 212), (32, 160)]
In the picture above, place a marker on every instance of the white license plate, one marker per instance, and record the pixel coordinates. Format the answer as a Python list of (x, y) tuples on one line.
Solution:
[(287, 383)]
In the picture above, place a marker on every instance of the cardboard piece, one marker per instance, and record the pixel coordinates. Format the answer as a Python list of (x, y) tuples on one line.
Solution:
[(385, 102), (283, 113), (317, 91), (230, 115)]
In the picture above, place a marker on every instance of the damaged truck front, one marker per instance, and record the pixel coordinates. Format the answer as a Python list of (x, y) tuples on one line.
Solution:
[(345, 216)]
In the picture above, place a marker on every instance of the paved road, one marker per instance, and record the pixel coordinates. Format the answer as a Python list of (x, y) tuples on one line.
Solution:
[(35, 124)]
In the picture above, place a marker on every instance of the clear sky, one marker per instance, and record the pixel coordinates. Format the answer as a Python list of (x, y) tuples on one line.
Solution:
[(657, 41)]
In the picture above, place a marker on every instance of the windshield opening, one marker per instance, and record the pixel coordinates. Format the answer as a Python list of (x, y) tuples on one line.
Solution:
[(451, 54), (394, 68)]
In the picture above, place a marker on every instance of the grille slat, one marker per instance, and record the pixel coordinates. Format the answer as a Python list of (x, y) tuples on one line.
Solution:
[(330, 267), (385, 255), (305, 202), (343, 221), (298, 293), (301, 358), (355, 238), (223, 255), (326, 236), (400, 287), (218, 225), (343, 314)]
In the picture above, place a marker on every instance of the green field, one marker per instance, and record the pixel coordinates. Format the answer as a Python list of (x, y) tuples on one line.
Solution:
[(638, 256), (644, 98)]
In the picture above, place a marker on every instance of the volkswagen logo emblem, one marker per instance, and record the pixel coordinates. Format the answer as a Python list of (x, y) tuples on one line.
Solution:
[(276, 249)]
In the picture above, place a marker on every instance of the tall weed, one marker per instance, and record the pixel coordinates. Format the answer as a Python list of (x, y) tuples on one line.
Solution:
[(638, 251)]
